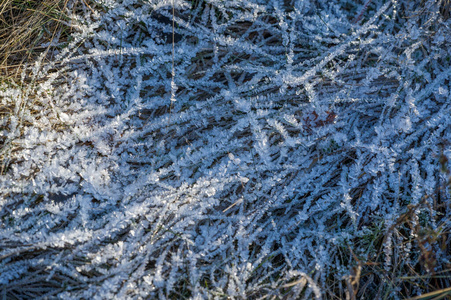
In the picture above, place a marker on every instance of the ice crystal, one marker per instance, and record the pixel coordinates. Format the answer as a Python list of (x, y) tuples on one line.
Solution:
[(284, 132)]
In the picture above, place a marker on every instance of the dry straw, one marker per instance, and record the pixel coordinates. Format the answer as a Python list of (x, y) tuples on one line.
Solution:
[(29, 28)]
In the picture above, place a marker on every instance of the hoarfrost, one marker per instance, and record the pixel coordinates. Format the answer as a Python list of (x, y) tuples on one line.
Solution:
[(294, 133)]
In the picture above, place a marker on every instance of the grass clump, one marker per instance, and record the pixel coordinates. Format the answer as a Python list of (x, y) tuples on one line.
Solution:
[(255, 150), (30, 28), (27, 29)]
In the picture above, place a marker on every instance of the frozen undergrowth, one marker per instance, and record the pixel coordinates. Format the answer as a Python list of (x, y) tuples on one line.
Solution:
[(295, 137)]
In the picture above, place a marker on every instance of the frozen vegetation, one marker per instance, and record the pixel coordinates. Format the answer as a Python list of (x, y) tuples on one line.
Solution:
[(262, 150)]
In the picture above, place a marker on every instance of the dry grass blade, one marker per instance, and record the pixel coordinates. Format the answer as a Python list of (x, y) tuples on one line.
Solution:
[(445, 9), (28, 29), (440, 294)]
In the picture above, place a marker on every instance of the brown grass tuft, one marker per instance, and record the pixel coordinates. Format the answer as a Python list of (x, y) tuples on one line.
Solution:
[(29, 28)]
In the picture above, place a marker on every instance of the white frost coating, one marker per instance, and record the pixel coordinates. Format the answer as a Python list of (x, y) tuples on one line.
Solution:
[(295, 134)]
